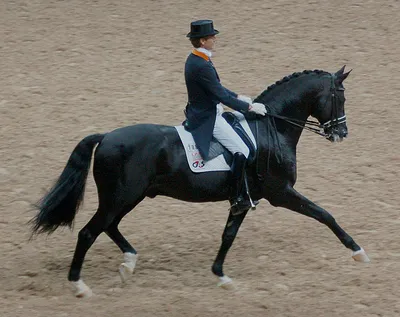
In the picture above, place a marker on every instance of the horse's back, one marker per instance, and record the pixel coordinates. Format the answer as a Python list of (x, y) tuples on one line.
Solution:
[(135, 135), (137, 155), (146, 140)]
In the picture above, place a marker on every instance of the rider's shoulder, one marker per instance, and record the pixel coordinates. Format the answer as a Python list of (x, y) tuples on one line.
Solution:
[(198, 64)]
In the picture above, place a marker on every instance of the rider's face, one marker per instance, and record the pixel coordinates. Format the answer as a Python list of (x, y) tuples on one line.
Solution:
[(208, 42)]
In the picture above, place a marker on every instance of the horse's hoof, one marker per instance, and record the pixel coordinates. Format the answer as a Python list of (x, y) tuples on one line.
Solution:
[(126, 269), (360, 256), (125, 272), (81, 290), (226, 283)]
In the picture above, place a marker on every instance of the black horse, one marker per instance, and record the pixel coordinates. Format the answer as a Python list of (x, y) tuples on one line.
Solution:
[(147, 160)]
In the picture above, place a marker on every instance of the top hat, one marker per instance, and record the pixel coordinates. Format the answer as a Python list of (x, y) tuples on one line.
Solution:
[(201, 28)]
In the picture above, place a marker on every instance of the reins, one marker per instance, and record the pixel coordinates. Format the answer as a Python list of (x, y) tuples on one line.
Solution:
[(306, 125)]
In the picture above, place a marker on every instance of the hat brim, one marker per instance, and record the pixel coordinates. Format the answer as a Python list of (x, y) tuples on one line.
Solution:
[(199, 36)]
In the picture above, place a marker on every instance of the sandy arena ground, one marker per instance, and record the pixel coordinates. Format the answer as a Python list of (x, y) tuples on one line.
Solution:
[(72, 68)]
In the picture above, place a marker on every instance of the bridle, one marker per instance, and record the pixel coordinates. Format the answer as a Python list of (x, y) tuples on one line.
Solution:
[(335, 119), (314, 126), (310, 125)]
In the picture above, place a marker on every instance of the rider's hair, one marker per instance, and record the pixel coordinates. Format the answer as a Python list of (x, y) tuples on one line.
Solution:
[(196, 41)]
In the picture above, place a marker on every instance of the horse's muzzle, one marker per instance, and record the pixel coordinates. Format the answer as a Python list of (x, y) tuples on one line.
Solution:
[(337, 133)]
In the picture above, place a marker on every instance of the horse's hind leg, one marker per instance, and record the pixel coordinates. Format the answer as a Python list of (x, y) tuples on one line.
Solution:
[(291, 199), (130, 255), (86, 237)]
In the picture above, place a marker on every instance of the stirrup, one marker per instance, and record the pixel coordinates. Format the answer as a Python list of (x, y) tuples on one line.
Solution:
[(240, 206), (253, 203)]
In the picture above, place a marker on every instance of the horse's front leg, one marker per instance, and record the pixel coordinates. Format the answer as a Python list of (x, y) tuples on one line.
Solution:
[(293, 200), (230, 232)]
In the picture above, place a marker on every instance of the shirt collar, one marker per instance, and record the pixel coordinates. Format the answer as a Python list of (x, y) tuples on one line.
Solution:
[(205, 51), (202, 54)]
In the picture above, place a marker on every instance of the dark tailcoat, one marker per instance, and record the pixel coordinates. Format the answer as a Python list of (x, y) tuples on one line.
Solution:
[(205, 92)]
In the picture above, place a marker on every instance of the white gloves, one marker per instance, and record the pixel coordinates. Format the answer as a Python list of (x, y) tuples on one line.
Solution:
[(245, 99), (258, 108)]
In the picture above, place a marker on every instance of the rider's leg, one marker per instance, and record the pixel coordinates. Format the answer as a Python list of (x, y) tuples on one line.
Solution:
[(239, 197), (225, 134)]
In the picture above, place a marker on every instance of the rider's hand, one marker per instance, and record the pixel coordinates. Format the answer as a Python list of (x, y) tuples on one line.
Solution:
[(258, 108), (245, 99)]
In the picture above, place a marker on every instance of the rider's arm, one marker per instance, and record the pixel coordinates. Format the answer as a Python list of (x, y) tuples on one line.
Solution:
[(233, 94), (208, 79)]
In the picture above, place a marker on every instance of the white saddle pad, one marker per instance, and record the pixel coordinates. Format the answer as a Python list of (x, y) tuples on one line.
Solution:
[(196, 162)]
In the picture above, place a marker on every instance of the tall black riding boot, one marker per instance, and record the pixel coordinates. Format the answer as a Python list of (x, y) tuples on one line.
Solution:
[(239, 196)]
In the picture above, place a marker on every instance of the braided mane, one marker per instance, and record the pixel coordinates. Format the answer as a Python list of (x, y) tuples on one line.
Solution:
[(288, 78)]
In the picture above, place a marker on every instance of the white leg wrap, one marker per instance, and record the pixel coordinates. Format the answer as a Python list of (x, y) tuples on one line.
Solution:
[(126, 269), (81, 290), (226, 282), (360, 256)]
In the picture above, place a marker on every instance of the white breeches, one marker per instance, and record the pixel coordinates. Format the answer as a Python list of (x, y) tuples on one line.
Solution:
[(225, 134)]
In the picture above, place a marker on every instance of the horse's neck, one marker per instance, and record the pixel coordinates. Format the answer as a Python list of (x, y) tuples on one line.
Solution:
[(296, 105), (292, 132)]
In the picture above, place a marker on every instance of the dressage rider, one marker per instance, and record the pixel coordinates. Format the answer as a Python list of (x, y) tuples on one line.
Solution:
[(204, 109)]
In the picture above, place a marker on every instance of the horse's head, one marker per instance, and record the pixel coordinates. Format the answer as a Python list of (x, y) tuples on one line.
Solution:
[(312, 92), (329, 109)]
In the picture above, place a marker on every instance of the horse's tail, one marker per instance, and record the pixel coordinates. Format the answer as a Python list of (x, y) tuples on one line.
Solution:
[(60, 205)]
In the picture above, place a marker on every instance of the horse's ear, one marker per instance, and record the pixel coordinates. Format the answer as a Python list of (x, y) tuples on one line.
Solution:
[(340, 71), (341, 75), (344, 76)]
